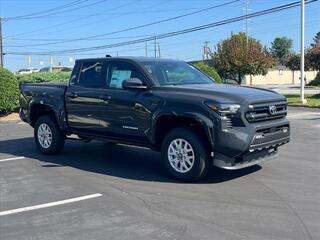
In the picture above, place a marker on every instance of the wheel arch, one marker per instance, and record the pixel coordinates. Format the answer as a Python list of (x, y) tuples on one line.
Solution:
[(37, 109), (165, 122)]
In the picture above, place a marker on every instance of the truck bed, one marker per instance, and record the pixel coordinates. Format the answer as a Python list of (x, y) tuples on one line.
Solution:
[(49, 94)]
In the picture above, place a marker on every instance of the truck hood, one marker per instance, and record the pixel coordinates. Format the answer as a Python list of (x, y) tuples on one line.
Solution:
[(228, 93)]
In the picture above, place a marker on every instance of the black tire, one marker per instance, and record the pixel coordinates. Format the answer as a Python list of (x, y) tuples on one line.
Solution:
[(57, 136), (201, 154)]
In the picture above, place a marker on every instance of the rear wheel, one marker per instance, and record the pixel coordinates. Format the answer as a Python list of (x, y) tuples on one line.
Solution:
[(48, 137), (185, 155)]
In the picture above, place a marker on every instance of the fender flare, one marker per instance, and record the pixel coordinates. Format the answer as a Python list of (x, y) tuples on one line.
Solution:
[(207, 123), (59, 115)]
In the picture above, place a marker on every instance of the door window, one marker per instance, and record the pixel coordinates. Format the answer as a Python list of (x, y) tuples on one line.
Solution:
[(92, 75), (122, 71)]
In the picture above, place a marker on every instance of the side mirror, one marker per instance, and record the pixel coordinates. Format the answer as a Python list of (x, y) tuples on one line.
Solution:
[(133, 83)]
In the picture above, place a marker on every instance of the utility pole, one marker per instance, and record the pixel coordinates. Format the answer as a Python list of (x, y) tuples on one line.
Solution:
[(51, 64), (206, 51), (302, 55), (247, 38), (155, 47), (1, 44), (159, 54), (146, 49)]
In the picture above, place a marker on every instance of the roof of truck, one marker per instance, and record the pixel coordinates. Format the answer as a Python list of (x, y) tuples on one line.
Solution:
[(139, 59)]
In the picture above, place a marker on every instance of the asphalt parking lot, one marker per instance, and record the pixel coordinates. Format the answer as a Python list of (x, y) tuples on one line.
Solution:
[(103, 191)]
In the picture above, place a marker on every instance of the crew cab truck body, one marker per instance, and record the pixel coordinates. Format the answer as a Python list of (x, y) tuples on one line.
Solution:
[(166, 105)]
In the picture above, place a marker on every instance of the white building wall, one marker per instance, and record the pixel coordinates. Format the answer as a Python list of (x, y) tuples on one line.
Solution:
[(279, 76)]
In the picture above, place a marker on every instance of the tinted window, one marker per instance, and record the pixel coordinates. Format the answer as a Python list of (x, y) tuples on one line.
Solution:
[(92, 74), (75, 74), (175, 73), (121, 71)]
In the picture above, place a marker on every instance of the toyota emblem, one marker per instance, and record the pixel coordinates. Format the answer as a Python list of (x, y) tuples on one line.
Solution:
[(273, 110)]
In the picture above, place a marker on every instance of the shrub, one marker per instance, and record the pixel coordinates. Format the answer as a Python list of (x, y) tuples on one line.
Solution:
[(9, 91), (316, 81), (39, 77), (210, 71)]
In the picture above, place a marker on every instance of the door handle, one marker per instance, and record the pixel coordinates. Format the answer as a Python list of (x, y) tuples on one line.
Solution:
[(72, 95), (105, 97)]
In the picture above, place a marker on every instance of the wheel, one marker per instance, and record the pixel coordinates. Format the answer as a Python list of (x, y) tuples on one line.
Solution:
[(48, 137), (185, 155)]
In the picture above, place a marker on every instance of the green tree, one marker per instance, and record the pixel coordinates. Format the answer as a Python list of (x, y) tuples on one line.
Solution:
[(293, 62), (281, 49), (234, 57), (313, 56), (316, 40), (210, 71), (313, 53), (316, 81), (9, 91)]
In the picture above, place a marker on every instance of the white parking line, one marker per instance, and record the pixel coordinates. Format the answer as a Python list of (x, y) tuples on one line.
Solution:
[(11, 159), (51, 204)]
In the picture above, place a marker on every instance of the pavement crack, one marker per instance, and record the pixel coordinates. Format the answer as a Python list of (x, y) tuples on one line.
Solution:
[(291, 209)]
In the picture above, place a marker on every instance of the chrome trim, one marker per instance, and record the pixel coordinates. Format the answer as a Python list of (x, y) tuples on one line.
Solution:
[(129, 127), (221, 164), (278, 142)]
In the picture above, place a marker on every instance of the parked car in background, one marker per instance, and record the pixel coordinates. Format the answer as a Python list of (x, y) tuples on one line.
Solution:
[(27, 71)]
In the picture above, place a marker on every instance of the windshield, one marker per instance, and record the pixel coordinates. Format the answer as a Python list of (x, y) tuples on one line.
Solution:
[(175, 73)]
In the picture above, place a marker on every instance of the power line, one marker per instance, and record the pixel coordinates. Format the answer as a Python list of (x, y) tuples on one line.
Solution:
[(163, 20), (117, 13), (85, 18), (70, 39), (149, 24), (61, 24), (47, 10), (63, 11), (171, 34)]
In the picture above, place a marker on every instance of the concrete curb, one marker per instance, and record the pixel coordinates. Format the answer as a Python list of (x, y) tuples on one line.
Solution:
[(303, 106)]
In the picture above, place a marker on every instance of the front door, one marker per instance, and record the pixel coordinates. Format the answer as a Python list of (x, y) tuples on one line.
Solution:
[(127, 111)]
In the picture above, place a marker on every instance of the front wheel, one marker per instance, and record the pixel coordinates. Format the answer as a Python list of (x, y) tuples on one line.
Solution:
[(185, 155), (49, 138)]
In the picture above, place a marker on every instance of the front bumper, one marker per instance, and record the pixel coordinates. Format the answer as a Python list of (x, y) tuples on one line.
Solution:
[(250, 145), (245, 160)]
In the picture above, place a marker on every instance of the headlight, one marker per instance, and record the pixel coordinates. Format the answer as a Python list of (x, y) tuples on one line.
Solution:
[(224, 108)]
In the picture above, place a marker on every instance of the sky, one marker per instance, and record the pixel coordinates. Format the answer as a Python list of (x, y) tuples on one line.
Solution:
[(88, 18)]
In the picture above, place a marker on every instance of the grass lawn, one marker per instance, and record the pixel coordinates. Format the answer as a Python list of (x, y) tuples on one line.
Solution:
[(313, 100)]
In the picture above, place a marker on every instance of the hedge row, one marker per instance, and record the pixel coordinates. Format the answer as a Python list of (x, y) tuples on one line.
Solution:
[(316, 81), (39, 77), (9, 86), (9, 91)]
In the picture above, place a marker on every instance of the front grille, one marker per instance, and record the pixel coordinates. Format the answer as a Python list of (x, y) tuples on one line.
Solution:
[(266, 111)]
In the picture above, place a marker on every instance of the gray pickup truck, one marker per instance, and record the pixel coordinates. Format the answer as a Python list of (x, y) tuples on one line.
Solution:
[(166, 105)]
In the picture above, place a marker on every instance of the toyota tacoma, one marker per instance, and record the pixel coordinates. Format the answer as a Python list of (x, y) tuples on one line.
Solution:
[(166, 105)]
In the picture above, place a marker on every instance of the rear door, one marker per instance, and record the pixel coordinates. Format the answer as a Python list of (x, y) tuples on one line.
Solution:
[(86, 96)]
